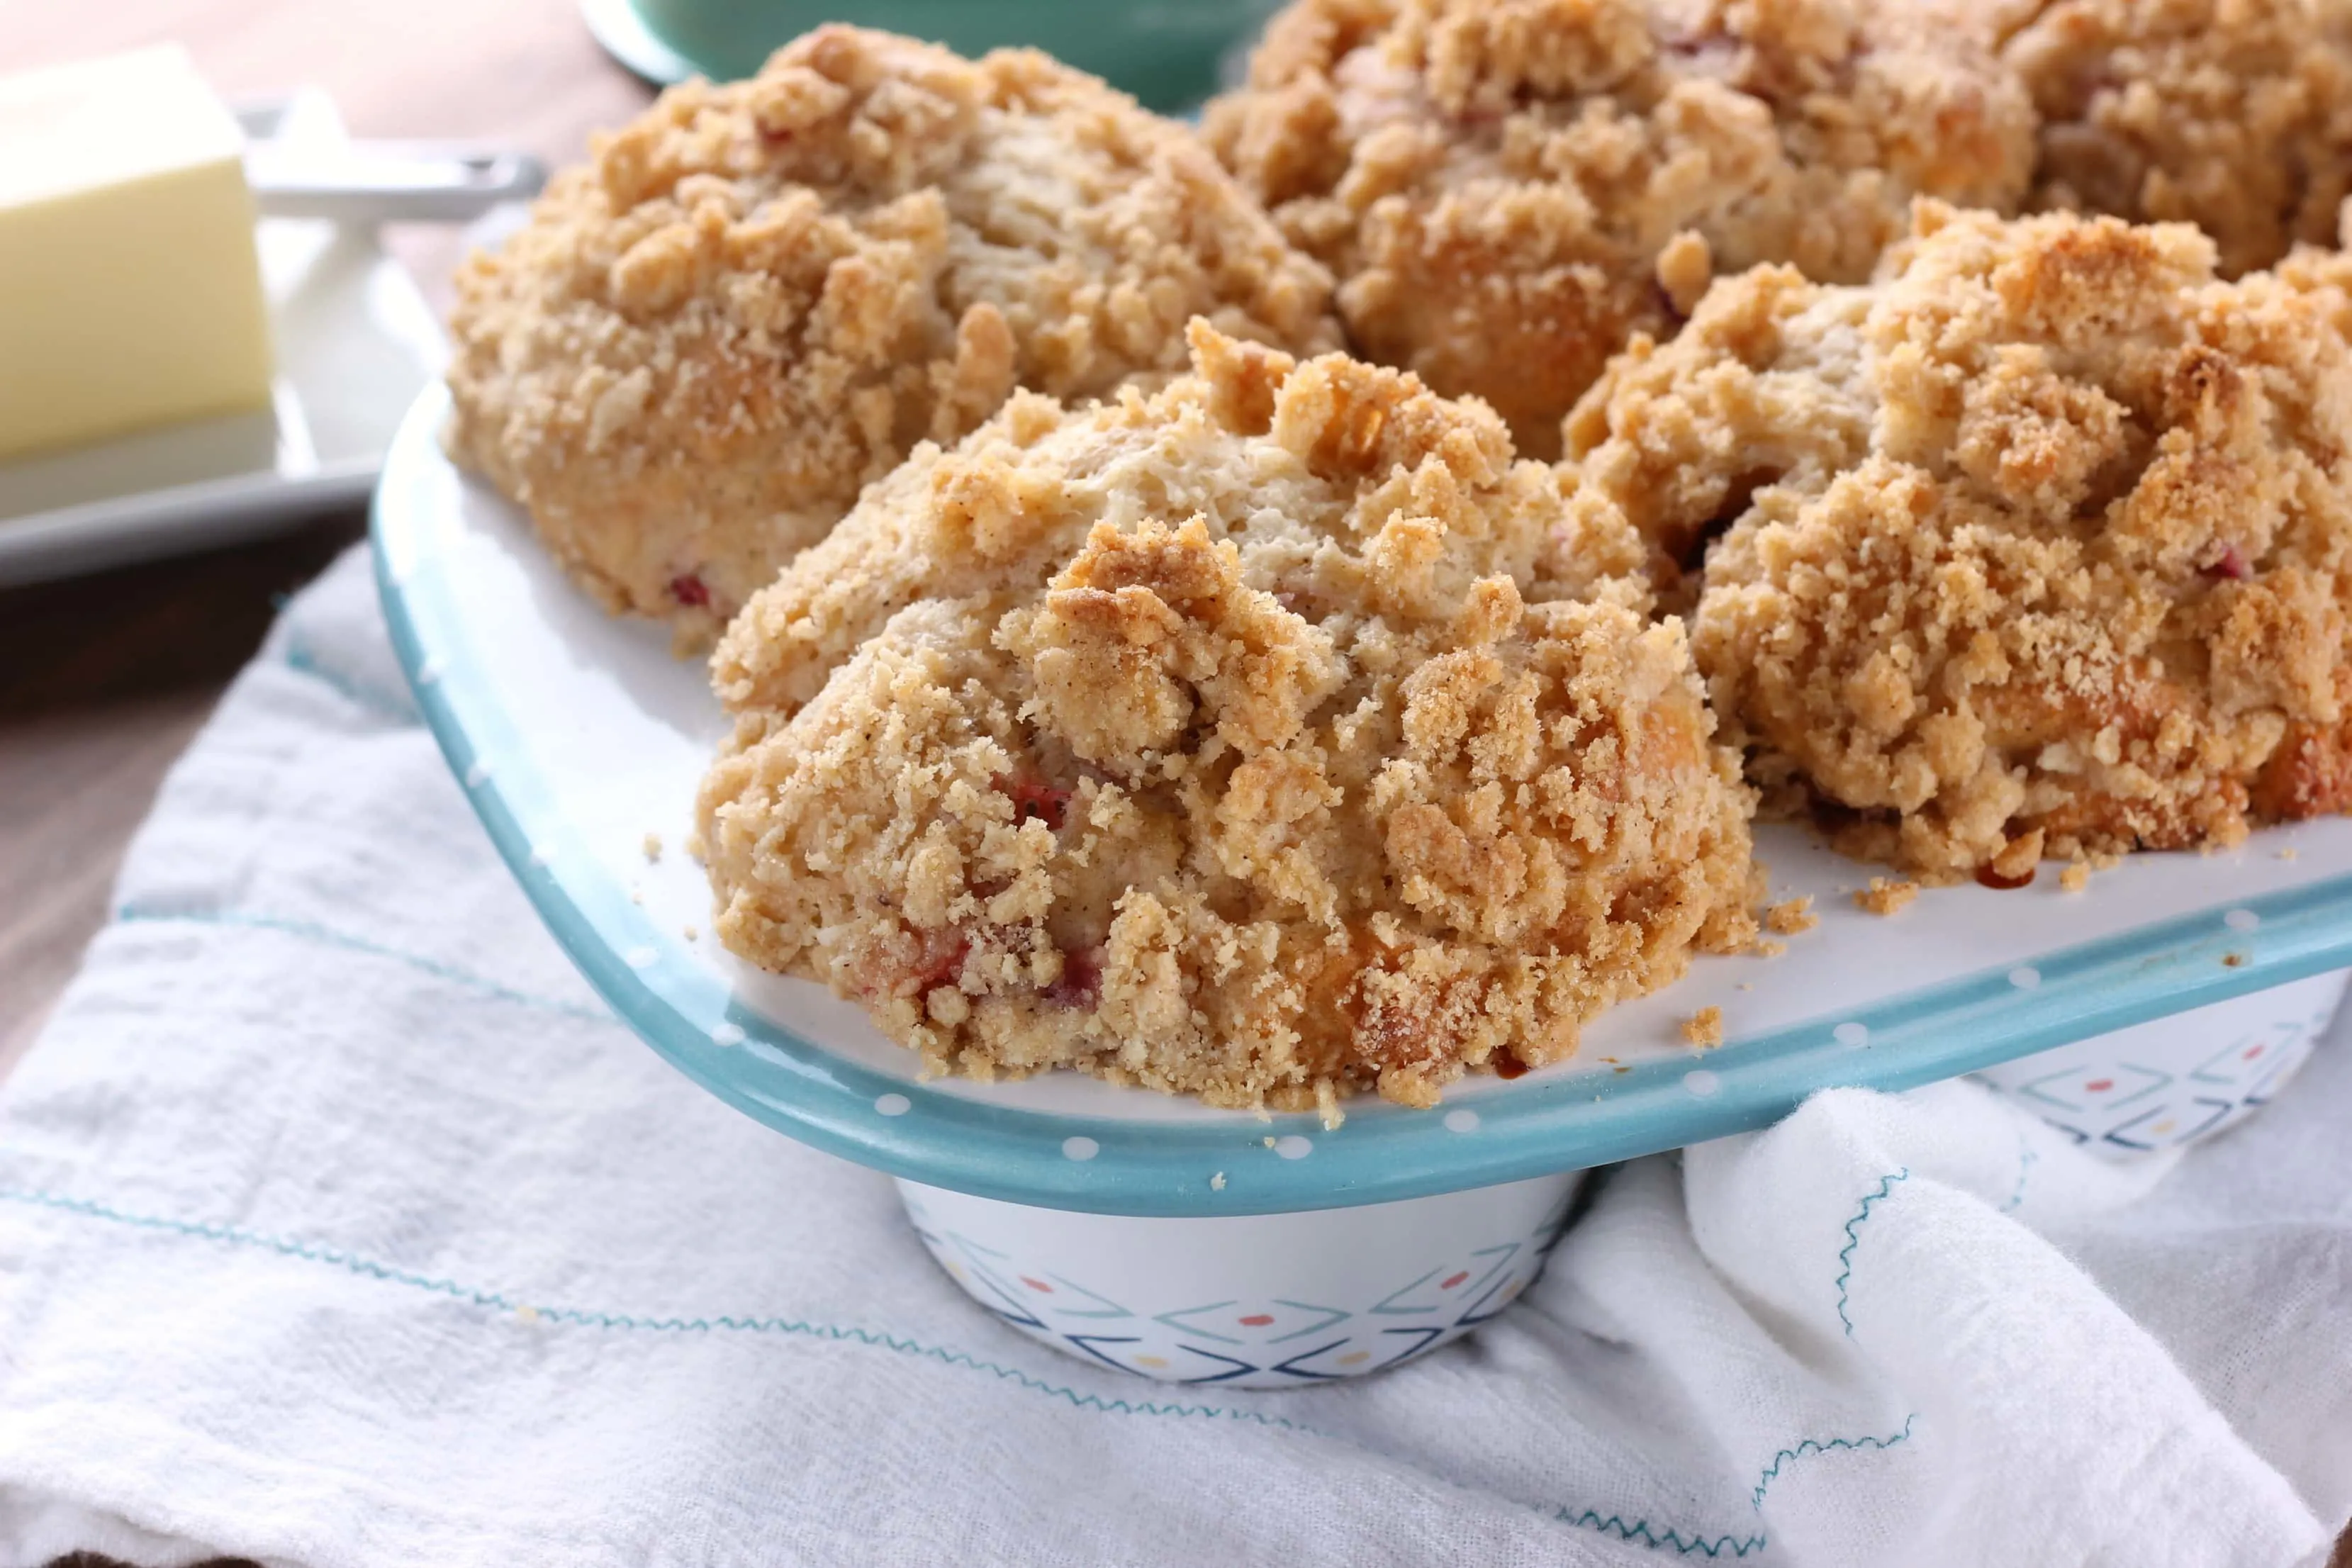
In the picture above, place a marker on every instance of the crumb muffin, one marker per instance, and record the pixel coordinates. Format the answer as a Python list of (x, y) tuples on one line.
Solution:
[(2235, 115), (1507, 190), (757, 298), (1220, 740), (2039, 544)]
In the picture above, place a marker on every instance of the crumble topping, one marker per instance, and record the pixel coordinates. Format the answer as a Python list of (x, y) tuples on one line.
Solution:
[(1507, 190), (758, 297), (2036, 545), (1224, 739), (2235, 115)]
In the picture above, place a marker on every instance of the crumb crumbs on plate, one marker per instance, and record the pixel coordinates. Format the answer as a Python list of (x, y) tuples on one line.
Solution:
[(1616, 1069), (2075, 878), (1268, 1143), (653, 847), (1746, 986), (1703, 1028), (1765, 947), (1792, 916), (693, 933), (1885, 896), (2014, 866), (2233, 959), (1217, 1183), (2288, 853)]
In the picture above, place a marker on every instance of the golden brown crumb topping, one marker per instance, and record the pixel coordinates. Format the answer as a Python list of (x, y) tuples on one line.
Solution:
[(1703, 1028), (2235, 115), (1791, 917), (1509, 189), (2042, 536), (1426, 488), (1885, 897), (758, 297), (1227, 739)]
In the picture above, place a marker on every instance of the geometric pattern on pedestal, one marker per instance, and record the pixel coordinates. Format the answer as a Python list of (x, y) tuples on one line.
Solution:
[(1273, 1343)]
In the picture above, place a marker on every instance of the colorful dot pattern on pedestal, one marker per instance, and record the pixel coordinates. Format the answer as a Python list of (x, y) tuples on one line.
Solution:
[(1275, 1342), (2127, 1106)]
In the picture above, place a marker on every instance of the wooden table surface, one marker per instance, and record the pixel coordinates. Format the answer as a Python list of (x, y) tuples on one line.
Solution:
[(104, 678)]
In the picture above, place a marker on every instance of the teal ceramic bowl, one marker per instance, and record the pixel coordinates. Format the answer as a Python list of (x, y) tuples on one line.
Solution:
[(580, 742), (1168, 53)]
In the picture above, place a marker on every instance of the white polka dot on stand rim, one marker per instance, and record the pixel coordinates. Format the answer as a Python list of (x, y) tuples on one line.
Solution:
[(893, 1105), (428, 672), (727, 1035), (1461, 1122), (539, 858), (1294, 1147), (1850, 1034), (2242, 920), (640, 957), (478, 775), (1080, 1148), (1701, 1082), (2025, 977)]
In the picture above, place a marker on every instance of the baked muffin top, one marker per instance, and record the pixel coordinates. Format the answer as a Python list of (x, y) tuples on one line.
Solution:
[(1227, 739), (2037, 544), (1507, 190), (2235, 115), (758, 297)]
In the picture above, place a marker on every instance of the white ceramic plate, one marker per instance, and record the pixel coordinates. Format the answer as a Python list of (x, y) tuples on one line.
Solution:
[(578, 735), (355, 343)]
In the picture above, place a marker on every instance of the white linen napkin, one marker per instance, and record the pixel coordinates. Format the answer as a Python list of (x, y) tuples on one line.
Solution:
[(340, 1225)]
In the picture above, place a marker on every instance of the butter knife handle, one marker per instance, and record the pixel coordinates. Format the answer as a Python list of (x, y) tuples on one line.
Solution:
[(388, 182)]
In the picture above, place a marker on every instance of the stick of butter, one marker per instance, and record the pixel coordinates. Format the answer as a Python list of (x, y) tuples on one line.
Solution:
[(129, 293)]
